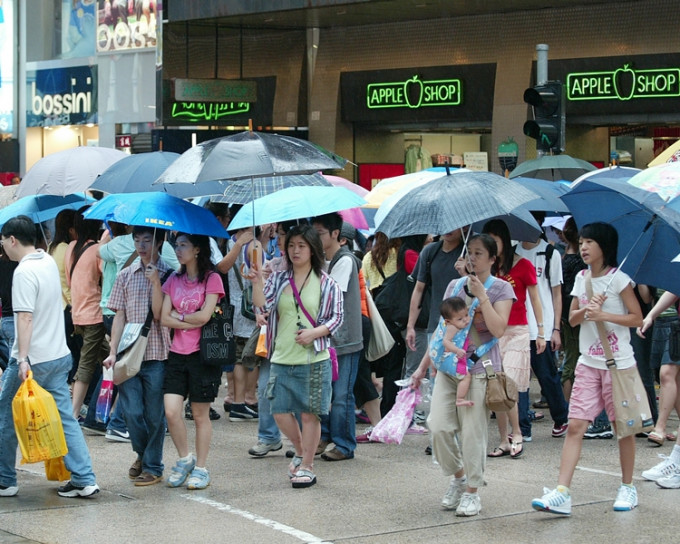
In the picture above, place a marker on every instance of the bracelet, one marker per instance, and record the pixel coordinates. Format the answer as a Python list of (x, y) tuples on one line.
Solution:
[(485, 300), (541, 336), (558, 330)]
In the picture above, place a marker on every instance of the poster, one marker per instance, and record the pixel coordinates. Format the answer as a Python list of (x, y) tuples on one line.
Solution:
[(128, 24), (78, 27), (7, 53)]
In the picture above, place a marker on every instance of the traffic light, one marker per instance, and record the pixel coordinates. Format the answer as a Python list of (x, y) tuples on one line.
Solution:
[(548, 124)]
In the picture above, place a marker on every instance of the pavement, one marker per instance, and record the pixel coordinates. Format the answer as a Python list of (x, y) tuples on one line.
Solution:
[(386, 494)]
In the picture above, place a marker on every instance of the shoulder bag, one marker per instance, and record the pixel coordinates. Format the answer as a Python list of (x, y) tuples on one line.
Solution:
[(381, 340), (631, 405), (218, 344)]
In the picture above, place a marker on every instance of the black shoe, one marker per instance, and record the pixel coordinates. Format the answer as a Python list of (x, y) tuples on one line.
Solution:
[(253, 407), (428, 450), (599, 431), (70, 490), (214, 415), (227, 407), (188, 414), (290, 454)]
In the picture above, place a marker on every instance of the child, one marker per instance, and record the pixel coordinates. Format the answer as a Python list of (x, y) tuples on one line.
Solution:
[(613, 303), (455, 314)]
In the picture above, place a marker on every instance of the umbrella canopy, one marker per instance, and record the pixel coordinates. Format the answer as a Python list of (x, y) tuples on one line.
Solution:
[(670, 154), (621, 173), (42, 207), (649, 231), (451, 202), (159, 210), (7, 195), (552, 168), (548, 193), (390, 186), (245, 190), (295, 203), (249, 154), (663, 180), (67, 172), (521, 224), (337, 181)]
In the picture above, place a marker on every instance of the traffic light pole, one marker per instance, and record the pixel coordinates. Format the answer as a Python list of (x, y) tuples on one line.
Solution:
[(541, 63)]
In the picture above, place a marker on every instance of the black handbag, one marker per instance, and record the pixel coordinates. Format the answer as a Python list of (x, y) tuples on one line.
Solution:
[(218, 344)]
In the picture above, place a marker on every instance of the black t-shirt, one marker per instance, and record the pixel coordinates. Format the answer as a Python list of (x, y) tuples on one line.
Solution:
[(572, 264), (6, 275)]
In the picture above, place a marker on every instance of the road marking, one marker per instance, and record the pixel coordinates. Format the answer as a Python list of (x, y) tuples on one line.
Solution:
[(275, 525)]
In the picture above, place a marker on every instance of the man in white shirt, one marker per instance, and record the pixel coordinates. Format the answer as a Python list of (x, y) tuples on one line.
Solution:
[(36, 299), (549, 277)]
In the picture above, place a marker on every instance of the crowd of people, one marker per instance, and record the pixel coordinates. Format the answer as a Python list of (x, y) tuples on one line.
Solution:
[(462, 305)]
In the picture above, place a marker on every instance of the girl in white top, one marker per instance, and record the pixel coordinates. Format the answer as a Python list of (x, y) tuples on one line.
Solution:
[(613, 303)]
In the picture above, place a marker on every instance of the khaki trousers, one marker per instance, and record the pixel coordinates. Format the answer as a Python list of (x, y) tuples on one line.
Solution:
[(460, 434)]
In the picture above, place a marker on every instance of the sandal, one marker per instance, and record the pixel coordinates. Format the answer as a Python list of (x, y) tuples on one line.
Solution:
[(672, 437), (498, 452), (303, 478), (517, 449), (657, 439), (293, 468)]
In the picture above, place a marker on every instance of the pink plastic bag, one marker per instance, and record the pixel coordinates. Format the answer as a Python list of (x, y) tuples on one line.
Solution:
[(393, 426)]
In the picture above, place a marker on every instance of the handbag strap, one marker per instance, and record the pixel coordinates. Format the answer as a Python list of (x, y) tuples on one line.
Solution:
[(149, 316), (298, 300), (601, 330)]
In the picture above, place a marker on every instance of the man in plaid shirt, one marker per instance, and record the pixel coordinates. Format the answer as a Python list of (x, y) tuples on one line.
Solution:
[(136, 290)]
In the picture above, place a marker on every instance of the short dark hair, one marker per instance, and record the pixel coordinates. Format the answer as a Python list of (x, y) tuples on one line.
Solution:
[(309, 235), (158, 234), (606, 237), (330, 221), (22, 228), (451, 305)]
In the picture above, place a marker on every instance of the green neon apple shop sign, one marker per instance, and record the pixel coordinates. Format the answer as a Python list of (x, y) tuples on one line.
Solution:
[(623, 84), (414, 93)]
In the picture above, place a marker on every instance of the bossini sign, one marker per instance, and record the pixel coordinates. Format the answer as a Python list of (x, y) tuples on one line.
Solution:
[(62, 96), (414, 93), (624, 83)]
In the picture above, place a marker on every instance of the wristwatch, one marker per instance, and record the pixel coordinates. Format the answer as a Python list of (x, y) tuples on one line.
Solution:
[(181, 317), (23, 360)]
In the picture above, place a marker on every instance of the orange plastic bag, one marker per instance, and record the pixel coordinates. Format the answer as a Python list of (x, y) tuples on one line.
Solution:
[(37, 423), (56, 470), (261, 349)]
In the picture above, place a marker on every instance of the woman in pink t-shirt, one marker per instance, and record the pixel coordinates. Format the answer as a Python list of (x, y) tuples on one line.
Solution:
[(190, 299)]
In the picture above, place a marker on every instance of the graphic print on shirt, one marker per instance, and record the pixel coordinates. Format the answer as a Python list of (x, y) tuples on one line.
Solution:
[(189, 296), (596, 349)]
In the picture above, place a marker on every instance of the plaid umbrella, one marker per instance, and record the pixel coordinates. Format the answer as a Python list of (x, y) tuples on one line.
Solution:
[(244, 190), (454, 201)]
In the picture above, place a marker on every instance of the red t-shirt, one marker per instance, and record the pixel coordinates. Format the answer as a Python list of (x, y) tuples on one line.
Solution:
[(522, 275)]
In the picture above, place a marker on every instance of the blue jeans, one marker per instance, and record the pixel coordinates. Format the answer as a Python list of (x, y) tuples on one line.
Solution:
[(6, 340), (267, 431), (545, 370), (339, 426), (51, 376), (144, 412)]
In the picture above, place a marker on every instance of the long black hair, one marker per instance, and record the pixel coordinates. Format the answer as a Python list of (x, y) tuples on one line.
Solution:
[(607, 238), (497, 227), (414, 242), (63, 224), (309, 235), (205, 265)]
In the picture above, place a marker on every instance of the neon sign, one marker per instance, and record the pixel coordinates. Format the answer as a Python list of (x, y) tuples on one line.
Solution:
[(414, 93), (623, 84), (207, 111)]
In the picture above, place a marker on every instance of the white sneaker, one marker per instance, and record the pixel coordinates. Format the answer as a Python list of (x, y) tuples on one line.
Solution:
[(626, 499), (553, 501), (470, 505), (452, 497), (670, 482), (8, 491), (662, 470)]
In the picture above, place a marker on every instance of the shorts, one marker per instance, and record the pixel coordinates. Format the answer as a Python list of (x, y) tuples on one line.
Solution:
[(95, 349), (187, 376), (659, 352), (251, 362), (300, 388), (592, 392)]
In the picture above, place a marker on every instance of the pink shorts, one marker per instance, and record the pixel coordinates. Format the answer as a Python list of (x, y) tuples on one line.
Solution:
[(591, 393)]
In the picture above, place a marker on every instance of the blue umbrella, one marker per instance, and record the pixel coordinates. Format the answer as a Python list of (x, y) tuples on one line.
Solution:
[(621, 173), (159, 210), (649, 231), (42, 207), (295, 203), (548, 195)]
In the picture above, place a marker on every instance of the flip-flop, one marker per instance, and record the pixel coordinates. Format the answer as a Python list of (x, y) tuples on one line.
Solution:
[(498, 452), (517, 449), (308, 476)]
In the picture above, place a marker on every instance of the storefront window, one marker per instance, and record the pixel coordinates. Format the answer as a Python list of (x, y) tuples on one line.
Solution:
[(7, 60)]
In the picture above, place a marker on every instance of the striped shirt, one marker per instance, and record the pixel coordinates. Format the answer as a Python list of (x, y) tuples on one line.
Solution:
[(330, 308), (131, 293)]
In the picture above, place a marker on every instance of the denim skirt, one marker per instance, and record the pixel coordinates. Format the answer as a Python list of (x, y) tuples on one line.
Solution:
[(300, 388)]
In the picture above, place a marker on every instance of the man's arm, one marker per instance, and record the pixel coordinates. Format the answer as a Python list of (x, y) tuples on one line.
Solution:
[(117, 328), (24, 323), (557, 309), (413, 313)]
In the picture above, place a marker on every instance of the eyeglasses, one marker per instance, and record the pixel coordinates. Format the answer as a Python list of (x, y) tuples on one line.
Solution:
[(322, 232)]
